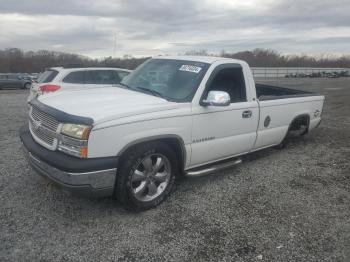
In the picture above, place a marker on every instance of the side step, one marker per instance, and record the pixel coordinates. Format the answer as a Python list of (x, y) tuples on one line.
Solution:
[(208, 169)]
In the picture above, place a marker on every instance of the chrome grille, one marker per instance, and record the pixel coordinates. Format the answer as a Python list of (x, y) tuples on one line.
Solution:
[(42, 135), (44, 118), (43, 128)]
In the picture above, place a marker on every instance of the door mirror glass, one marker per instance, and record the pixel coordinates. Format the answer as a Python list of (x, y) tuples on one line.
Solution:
[(217, 98)]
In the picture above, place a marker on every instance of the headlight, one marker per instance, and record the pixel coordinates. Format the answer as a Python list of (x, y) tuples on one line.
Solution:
[(74, 139), (76, 131)]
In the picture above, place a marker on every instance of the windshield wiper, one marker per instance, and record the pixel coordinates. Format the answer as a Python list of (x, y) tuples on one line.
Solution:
[(150, 91), (153, 92), (124, 85)]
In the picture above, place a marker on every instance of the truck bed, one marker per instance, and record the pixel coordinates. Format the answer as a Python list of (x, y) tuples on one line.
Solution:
[(267, 92)]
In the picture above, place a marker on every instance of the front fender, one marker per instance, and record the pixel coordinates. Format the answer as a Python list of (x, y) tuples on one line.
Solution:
[(114, 140)]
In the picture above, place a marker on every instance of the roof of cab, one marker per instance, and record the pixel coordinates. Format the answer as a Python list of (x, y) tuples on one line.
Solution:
[(203, 59), (87, 68)]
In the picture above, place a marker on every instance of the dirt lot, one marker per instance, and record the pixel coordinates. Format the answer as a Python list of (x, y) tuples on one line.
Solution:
[(278, 205)]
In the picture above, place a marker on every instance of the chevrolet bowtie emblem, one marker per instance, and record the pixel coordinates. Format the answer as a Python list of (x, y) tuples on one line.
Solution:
[(37, 124)]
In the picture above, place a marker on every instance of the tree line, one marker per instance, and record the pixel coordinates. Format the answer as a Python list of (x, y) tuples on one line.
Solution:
[(270, 58), (15, 60)]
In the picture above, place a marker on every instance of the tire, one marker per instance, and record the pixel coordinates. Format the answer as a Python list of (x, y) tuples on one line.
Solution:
[(27, 86), (145, 181)]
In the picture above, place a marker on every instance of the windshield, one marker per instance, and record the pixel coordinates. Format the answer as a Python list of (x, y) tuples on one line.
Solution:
[(175, 80)]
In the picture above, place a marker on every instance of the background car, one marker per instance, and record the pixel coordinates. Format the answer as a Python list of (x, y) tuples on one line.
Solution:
[(14, 81), (59, 78), (34, 76)]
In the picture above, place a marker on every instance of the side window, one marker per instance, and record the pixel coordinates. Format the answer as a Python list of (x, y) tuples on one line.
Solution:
[(230, 80), (101, 77), (75, 78), (122, 74)]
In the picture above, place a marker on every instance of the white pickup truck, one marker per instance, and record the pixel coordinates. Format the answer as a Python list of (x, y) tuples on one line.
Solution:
[(172, 116)]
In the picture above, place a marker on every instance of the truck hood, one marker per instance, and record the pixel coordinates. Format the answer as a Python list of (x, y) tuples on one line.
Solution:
[(106, 103)]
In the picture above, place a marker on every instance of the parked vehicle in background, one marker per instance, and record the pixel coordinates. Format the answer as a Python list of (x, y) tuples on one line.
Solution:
[(59, 79), (25, 76), (171, 116), (14, 81), (334, 74), (34, 76)]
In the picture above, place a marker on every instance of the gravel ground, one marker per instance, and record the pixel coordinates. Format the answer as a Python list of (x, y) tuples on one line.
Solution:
[(278, 205)]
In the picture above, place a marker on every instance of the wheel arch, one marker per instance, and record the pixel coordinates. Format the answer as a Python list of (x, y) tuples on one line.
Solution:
[(174, 141), (303, 117)]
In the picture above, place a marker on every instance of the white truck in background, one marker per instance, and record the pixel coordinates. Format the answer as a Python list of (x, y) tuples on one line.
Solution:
[(170, 117)]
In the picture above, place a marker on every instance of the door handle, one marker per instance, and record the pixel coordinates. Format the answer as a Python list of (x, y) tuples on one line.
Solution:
[(247, 114)]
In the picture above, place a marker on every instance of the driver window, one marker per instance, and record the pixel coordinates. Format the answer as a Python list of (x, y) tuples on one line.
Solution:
[(231, 81)]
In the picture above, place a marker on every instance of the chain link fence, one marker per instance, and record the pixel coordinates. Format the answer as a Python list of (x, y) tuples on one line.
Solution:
[(284, 72)]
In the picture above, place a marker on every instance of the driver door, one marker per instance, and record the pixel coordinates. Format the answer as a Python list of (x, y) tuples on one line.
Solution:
[(221, 132)]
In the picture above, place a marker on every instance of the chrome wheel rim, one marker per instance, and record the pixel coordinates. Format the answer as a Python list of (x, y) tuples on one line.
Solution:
[(151, 177)]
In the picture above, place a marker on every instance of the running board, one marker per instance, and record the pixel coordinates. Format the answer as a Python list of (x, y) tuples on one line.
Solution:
[(213, 168)]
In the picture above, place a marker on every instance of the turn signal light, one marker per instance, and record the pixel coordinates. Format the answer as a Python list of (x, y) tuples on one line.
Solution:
[(84, 152), (49, 88)]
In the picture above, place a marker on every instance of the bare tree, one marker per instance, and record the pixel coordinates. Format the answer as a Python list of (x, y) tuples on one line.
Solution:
[(14, 60)]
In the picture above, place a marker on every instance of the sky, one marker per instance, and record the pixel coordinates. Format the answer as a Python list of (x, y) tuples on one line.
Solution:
[(100, 28)]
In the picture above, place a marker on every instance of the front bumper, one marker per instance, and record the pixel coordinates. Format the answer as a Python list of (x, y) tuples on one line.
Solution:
[(93, 177)]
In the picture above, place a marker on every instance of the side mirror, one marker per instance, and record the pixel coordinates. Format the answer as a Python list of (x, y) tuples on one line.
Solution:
[(217, 98)]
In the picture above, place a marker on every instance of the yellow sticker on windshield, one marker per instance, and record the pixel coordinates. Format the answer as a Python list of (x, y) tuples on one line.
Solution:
[(190, 68)]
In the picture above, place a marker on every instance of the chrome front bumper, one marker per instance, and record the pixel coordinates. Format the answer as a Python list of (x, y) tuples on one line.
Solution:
[(97, 183)]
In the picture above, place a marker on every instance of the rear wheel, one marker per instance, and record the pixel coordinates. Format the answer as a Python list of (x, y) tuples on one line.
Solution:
[(147, 176)]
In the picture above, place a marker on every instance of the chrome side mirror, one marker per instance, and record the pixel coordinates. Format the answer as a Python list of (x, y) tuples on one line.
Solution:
[(217, 98)]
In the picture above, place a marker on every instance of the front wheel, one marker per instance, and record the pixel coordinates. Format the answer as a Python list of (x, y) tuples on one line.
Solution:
[(146, 176)]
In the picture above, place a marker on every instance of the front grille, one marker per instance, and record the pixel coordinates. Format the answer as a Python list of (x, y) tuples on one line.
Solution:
[(44, 118), (43, 128), (42, 135)]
